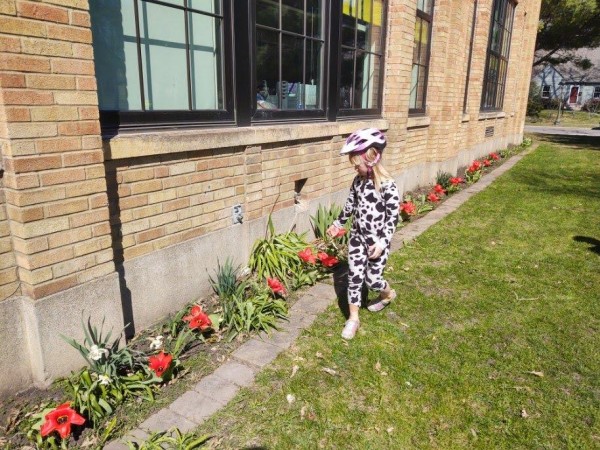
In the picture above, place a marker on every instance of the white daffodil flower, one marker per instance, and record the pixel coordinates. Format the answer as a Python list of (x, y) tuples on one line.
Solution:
[(97, 353), (104, 379), (156, 343)]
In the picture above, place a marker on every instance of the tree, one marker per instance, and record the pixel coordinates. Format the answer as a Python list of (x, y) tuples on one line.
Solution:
[(565, 26)]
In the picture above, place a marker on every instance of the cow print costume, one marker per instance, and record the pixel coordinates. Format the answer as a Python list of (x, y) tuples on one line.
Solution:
[(375, 218)]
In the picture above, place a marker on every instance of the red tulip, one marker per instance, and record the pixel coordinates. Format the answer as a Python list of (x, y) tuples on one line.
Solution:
[(307, 256), (455, 181), (60, 419), (408, 208), (327, 260), (487, 163), (160, 363), (198, 319), (276, 286), (494, 156), (432, 197), (438, 189), (475, 166)]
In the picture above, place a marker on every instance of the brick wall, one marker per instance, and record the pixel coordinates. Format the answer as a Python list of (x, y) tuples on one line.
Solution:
[(54, 181)]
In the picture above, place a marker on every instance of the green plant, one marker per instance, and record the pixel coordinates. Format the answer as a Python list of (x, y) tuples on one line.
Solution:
[(226, 283), (443, 179), (526, 142), (276, 255), (323, 219), (254, 310), (421, 204), (96, 395), (103, 355), (172, 439)]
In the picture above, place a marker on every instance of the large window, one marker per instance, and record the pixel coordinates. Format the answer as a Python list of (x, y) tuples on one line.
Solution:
[(233, 62), (545, 91), (421, 50), (494, 82)]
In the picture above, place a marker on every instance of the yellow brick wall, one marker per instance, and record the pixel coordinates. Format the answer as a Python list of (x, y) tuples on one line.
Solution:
[(54, 183), (9, 281)]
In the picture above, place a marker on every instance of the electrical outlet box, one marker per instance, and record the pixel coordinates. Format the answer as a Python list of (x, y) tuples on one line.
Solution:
[(237, 214)]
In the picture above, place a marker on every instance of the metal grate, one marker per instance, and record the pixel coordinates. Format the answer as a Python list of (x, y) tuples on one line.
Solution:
[(489, 131)]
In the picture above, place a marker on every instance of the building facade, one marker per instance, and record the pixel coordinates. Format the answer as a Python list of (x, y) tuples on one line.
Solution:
[(143, 141)]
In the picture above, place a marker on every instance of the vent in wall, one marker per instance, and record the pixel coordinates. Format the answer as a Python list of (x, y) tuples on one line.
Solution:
[(489, 131)]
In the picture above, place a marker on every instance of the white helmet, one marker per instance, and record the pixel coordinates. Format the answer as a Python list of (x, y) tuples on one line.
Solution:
[(361, 140)]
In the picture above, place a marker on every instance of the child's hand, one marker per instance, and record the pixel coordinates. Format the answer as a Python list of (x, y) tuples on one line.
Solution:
[(375, 251), (332, 231)]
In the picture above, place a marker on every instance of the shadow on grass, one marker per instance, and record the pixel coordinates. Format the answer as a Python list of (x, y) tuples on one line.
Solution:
[(574, 141), (340, 285), (595, 243)]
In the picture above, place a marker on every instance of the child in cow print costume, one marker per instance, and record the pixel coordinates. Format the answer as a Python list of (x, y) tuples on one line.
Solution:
[(373, 202)]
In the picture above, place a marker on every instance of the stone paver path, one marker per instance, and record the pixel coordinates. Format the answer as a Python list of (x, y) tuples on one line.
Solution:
[(214, 391)]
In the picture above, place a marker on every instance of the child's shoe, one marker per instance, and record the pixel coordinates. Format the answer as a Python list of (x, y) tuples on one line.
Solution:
[(380, 303), (350, 329)]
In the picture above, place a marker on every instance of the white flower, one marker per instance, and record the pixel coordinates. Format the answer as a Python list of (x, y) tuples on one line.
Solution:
[(104, 379), (156, 343), (97, 353)]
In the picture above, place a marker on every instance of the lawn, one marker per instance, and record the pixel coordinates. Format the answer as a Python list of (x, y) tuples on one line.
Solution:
[(579, 119), (492, 343)]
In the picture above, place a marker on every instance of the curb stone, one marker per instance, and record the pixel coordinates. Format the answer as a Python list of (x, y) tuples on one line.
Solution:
[(215, 391)]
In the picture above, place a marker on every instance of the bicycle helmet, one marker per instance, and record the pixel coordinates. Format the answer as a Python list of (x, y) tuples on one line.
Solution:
[(361, 140)]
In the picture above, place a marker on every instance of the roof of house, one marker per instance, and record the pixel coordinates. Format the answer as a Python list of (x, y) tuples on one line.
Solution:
[(570, 72)]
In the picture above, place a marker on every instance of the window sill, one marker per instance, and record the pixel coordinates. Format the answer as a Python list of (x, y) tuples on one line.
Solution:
[(492, 115), (148, 143), (418, 122), (466, 117)]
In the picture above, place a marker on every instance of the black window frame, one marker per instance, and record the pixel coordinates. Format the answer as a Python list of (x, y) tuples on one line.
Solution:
[(596, 93), (427, 18), (545, 90), (239, 97), (497, 102), (114, 120)]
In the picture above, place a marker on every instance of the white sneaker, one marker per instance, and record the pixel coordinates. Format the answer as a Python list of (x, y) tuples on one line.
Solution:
[(350, 329)]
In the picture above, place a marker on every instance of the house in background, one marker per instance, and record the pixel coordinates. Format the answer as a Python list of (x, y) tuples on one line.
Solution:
[(574, 85), (143, 141)]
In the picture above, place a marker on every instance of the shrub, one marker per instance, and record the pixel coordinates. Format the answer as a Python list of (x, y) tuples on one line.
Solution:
[(534, 101), (443, 179), (592, 105)]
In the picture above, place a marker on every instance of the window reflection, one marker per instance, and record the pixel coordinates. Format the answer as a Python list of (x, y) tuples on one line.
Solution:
[(289, 53)]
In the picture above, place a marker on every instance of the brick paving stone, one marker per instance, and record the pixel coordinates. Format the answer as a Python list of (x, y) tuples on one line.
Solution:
[(283, 338), (116, 445), (298, 319), (237, 373), (257, 353), (217, 389), (165, 419), (135, 435), (195, 407)]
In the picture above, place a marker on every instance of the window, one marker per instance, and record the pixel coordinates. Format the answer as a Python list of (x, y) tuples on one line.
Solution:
[(596, 91), (421, 50), (162, 63), (545, 91), (497, 55), (289, 55), (361, 54)]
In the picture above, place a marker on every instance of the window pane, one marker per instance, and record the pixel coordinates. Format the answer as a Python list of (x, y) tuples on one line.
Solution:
[(291, 71), (424, 44), (414, 80), (349, 23), (421, 88), (496, 35), (292, 15), (313, 76), (361, 80), (374, 74), (205, 62), (163, 57), (267, 13), (267, 68), (115, 55), (425, 6), (174, 2), (211, 6), (313, 18), (375, 36), (346, 79)]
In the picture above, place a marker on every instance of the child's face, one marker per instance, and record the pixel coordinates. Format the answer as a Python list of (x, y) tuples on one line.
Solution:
[(362, 169)]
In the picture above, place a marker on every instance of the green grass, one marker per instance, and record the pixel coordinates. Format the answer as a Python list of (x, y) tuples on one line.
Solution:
[(506, 286), (568, 119)]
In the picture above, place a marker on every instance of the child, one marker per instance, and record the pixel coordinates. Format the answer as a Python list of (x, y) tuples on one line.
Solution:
[(374, 202)]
